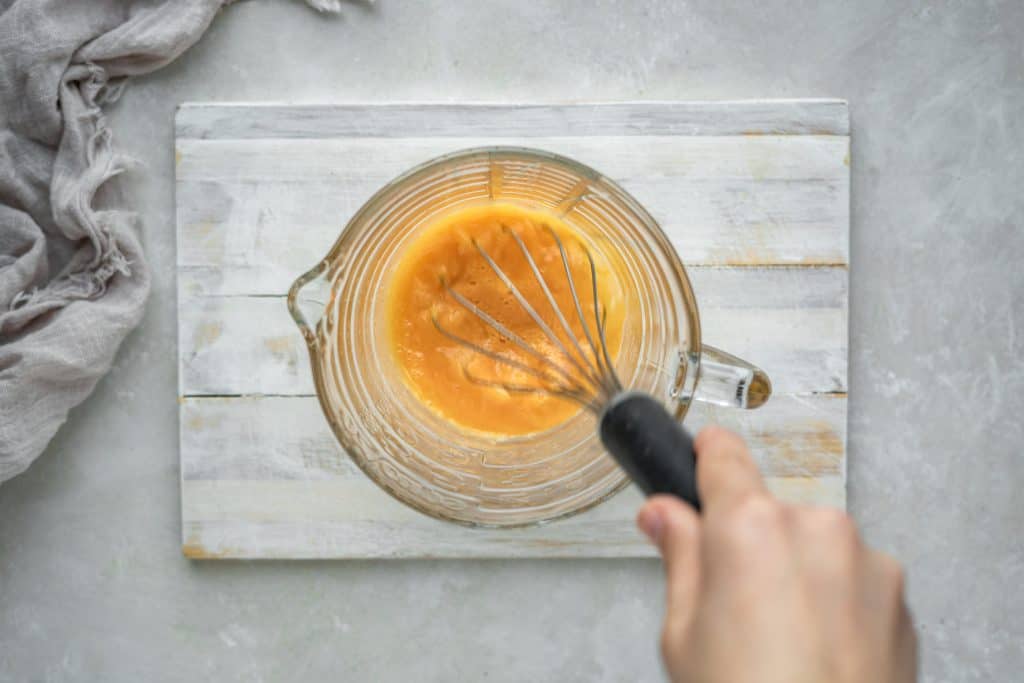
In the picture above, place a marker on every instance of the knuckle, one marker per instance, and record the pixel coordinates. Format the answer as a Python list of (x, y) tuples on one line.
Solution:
[(834, 534), (759, 509), (753, 518)]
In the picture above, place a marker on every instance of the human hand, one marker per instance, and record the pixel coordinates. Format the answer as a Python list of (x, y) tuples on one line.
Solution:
[(763, 591)]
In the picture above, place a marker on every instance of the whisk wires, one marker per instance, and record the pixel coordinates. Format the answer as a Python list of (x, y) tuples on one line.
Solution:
[(587, 378)]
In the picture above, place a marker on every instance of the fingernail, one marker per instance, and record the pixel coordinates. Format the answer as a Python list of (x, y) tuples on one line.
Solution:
[(651, 524)]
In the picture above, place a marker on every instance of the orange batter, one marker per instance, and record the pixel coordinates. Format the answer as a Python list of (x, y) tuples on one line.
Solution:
[(436, 367)]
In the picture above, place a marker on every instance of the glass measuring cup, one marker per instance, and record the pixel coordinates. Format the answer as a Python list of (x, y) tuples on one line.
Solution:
[(476, 479)]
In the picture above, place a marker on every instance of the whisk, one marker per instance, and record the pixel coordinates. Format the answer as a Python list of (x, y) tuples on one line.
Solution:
[(646, 441)]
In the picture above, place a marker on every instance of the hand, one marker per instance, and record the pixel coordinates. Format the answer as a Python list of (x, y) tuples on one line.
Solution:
[(759, 590)]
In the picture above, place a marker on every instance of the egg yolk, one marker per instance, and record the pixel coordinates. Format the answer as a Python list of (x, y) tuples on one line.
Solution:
[(478, 375)]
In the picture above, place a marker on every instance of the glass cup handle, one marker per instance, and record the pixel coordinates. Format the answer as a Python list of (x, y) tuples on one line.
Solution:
[(726, 380), (307, 300)]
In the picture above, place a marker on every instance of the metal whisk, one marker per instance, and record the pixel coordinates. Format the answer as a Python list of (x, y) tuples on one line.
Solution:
[(646, 441)]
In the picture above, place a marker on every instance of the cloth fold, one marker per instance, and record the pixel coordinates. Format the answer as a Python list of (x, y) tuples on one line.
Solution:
[(73, 277)]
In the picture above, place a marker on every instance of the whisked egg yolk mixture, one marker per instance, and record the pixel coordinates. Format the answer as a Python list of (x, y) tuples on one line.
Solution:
[(463, 385)]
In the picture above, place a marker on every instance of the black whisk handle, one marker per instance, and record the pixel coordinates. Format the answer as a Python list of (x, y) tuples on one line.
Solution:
[(651, 445)]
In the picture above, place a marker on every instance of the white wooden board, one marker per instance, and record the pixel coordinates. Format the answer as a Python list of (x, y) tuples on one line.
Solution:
[(755, 196)]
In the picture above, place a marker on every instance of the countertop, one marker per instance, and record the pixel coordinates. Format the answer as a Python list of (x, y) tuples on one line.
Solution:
[(93, 586)]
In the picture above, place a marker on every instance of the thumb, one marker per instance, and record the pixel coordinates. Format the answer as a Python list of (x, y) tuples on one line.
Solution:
[(675, 528)]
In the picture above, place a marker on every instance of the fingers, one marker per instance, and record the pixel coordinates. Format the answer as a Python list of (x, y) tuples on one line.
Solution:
[(675, 528), (725, 471)]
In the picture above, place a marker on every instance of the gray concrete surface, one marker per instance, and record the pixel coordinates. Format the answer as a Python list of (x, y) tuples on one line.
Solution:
[(92, 583)]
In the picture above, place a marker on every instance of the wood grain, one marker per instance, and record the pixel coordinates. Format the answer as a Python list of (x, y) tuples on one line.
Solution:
[(722, 200), (228, 520), (754, 195), (801, 346), (768, 117), (283, 437)]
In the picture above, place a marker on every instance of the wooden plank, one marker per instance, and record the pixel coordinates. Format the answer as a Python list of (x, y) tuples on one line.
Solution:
[(760, 314), (230, 520), (372, 161), (422, 537), (264, 477), (764, 117), (310, 539), (259, 438), (722, 201)]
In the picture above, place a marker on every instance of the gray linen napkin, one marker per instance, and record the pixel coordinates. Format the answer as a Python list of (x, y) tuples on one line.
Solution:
[(73, 278)]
